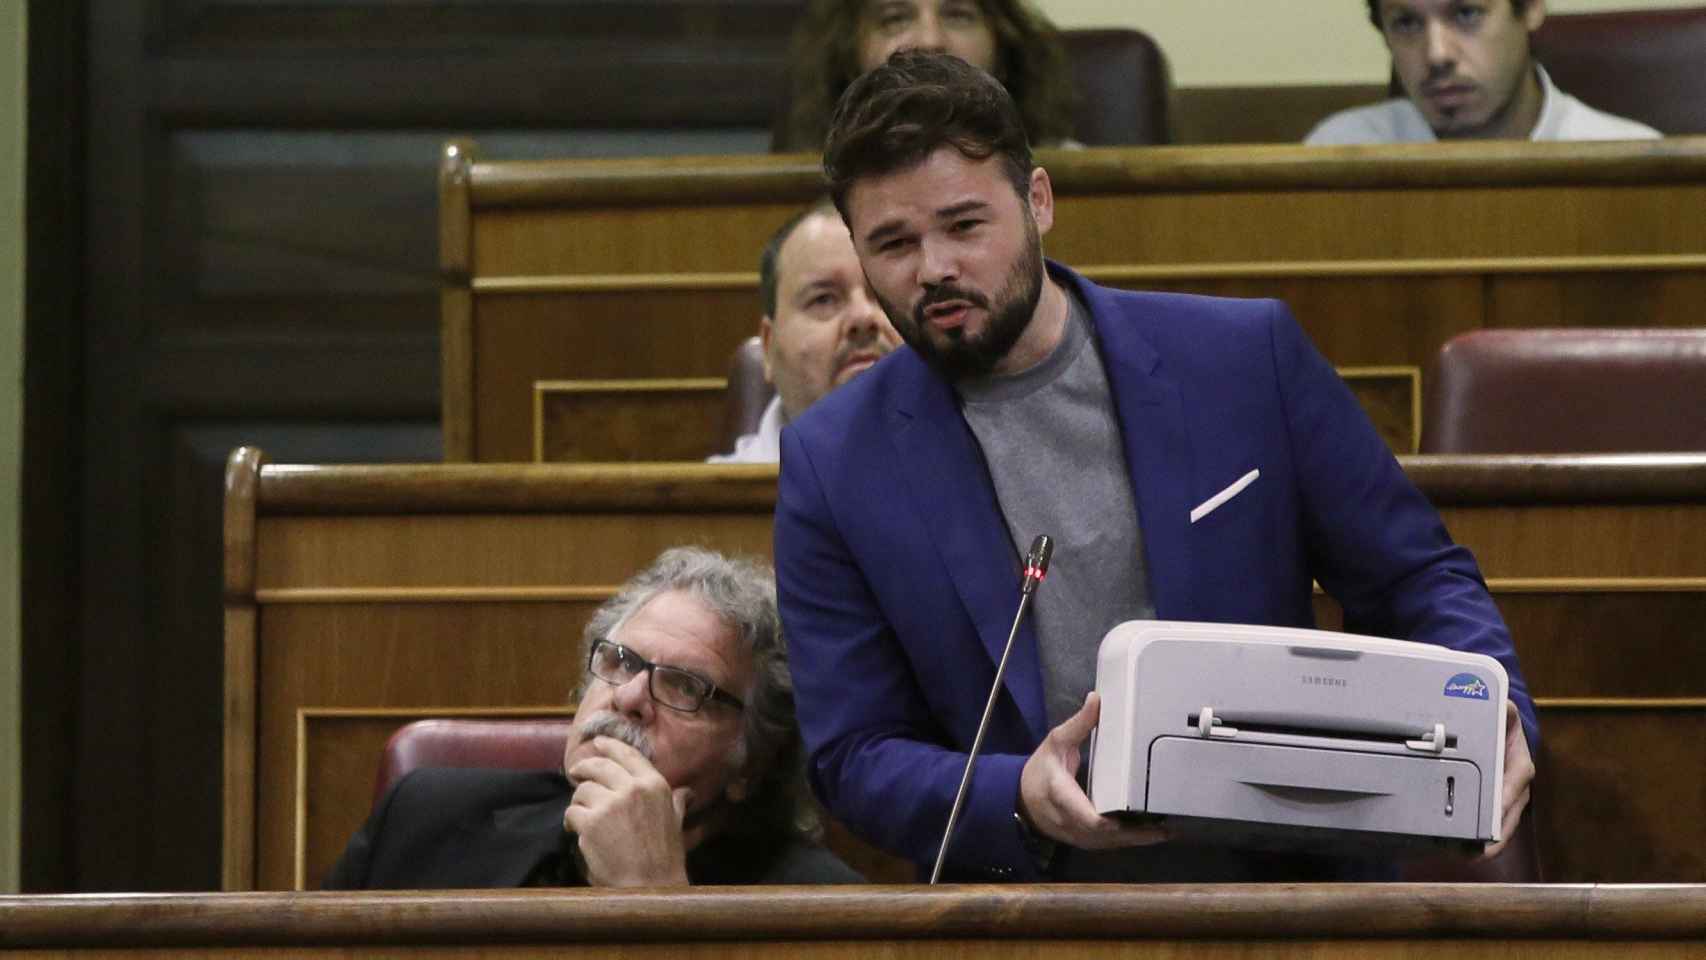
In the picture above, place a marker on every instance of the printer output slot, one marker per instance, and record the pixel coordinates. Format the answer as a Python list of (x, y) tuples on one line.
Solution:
[(1253, 726)]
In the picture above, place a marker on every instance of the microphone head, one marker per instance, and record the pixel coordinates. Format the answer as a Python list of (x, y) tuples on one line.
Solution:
[(1042, 548), (1036, 563)]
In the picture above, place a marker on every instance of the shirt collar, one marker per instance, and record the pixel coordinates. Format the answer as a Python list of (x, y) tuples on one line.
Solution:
[(1551, 108)]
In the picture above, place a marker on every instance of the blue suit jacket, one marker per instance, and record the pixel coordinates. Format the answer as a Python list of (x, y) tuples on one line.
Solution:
[(897, 578)]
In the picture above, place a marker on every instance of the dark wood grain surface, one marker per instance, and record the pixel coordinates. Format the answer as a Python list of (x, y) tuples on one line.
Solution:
[(984, 913)]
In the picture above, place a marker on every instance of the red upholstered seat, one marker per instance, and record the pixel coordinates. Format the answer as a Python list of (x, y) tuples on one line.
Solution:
[(1578, 390), (1123, 87), (496, 744), (749, 393), (1648, 65)]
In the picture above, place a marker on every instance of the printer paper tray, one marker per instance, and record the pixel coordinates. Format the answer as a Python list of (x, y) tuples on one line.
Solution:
[(1318, 788)]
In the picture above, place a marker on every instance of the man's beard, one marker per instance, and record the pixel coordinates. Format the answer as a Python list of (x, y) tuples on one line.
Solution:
[(616, 727), (962, 356)]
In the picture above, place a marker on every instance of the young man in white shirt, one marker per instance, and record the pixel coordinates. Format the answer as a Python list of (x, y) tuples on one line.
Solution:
[(1467, 73)]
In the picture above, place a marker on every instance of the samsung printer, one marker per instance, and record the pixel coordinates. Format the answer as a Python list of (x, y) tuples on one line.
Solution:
[(1287, 738)]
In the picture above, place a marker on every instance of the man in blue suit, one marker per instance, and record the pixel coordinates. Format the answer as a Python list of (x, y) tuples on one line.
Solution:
[(1194, 459)]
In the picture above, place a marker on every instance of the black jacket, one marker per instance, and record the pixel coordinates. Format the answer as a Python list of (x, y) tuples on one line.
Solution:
[(453, 828)]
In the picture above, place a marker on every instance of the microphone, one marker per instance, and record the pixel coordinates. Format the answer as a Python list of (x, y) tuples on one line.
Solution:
[(1036, 568)]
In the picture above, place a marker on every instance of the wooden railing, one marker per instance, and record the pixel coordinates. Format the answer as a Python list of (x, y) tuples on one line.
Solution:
[(1195, 922)]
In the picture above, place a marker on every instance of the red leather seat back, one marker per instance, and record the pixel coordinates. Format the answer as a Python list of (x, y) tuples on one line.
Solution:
[(1648, 65), (495, 744), (1123, 87), (749, 393), (1578, 390)]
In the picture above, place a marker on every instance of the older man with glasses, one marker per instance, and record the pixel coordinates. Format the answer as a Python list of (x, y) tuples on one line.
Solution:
[(683, 765)]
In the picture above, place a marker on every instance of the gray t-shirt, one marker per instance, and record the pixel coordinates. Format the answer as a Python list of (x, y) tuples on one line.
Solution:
[(1052, 440), (1055, 451)]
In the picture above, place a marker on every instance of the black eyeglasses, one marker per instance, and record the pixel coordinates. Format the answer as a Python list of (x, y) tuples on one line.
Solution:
[(672, 687)]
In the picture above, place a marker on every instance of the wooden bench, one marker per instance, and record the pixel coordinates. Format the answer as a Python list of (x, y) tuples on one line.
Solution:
[(358, 598), (643, 269)]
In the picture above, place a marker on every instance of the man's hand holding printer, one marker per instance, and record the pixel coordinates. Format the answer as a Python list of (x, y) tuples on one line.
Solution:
[(1519, 775), (1053, 804)]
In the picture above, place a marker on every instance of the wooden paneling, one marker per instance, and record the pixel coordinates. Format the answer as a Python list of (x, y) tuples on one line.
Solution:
[(1383, 253), (1392, 398), (408, 551), (1267, 228), (1607, 817), (684, 331), (603, 421), (1657, 635), (667, 238), (1262, 114), (943, 949), (593, 421), (1356, 320), (1599, 299), (1588, 541), (1576, 640), (1185, 922), (466, 585)]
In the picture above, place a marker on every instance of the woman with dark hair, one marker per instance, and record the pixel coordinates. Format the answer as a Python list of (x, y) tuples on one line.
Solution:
[(837, 40)]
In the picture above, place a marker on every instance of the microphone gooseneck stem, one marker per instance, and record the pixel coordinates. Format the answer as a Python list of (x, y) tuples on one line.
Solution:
[(982, 726)]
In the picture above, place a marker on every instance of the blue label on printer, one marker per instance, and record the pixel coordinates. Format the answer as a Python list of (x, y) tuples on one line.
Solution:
[(1466, 685)]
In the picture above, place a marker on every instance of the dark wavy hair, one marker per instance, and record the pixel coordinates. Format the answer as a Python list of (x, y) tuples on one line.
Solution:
[(824, 61), (900, 113), (1517, 6)]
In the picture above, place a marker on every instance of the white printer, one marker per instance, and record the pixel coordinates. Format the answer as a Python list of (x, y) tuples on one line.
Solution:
[(1287, 738)]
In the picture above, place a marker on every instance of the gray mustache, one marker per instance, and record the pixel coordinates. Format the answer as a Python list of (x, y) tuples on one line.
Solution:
[(616, 727)]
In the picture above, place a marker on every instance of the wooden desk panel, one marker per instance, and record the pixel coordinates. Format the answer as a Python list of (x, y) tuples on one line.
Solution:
[(1355, 320), (1603, 298), (1563, 541), (605, 421), (416, 589), (1596, 776), (645, 268), (1655, 638), (1206, 922)]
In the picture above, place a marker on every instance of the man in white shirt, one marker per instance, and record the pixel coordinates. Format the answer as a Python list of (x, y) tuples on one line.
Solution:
[(1467, 73), (821, 325)]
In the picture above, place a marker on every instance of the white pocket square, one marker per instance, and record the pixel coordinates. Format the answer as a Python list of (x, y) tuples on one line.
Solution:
[(1213, 503)]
